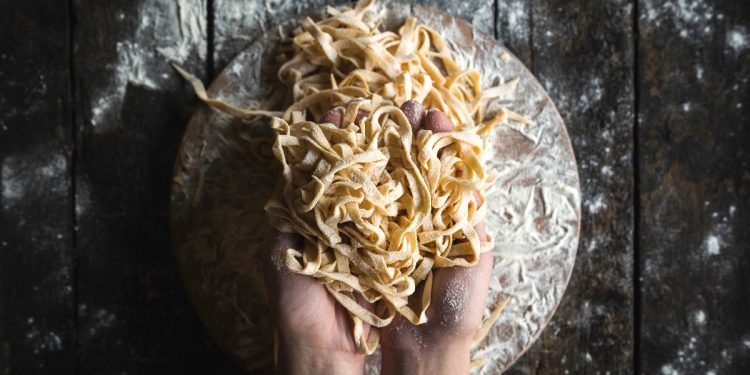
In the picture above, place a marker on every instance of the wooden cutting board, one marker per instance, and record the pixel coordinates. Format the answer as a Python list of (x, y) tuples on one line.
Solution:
[(223, 177)]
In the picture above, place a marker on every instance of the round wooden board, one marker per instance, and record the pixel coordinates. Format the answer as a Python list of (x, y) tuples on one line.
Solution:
[(221, 184)]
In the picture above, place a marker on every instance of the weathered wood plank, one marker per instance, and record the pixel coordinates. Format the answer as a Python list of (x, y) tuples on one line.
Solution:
[(37, 331), (585, 61), (694, 60), (514, 27), (237, 23), (480, 14), (132, 108)]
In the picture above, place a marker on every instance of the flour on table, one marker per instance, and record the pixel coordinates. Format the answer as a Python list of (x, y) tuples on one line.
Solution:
[(737, 39), (192, 19), (96, 321), (147, 65), (30, 175), (692, 17), (699, 317), (713, 244), (595, 205), (718, 237)]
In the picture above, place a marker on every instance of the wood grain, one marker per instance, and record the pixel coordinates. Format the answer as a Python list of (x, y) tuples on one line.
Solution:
[(695, 187), (480, 14), (585, 61), (132, 108), (238, 22), (37, 325)]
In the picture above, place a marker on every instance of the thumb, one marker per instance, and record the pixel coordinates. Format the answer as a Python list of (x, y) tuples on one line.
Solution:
[(459, 293), (281, 283)]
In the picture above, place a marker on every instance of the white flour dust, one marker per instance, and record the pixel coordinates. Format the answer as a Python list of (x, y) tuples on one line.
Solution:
[(692, 17), (669, 370), (737, 39), (517, 17), (597, 204), (177, 30), (719, 236), (699, 317), (713, 244), (31, 176), (42, 341), (96, 321), (192, 20)]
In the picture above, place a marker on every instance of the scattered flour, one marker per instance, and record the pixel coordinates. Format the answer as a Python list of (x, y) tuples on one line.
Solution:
[(14, 185), (699, 317), (692, 17), (454, 300), (736, 39), (240, 22), (42, 341), (30, 174), (83, 196), (669, 370), (699, 72), (97, 321), (49, 342), (596, 205), (192, 32), (145, 66), (712, 244), (517, 16), (593, 243)]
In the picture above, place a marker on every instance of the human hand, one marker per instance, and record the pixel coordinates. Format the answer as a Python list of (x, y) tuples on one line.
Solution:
[(314, 331), (442, 345)]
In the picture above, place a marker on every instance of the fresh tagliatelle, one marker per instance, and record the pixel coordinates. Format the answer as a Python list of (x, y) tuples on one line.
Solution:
[(379, 205)]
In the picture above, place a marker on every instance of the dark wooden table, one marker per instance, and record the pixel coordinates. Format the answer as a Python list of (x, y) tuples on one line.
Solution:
[(655, 96)]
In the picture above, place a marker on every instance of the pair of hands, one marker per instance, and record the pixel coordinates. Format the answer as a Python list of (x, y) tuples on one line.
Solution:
[(315, 331)]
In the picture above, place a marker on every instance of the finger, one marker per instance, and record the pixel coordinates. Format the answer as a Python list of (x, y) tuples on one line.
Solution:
[(459, 295), (437, 122), (281, 283), (415, 113), (367, 305), (334, 116)]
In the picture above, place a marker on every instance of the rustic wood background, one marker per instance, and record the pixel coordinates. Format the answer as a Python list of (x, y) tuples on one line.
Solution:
[(654, 93)]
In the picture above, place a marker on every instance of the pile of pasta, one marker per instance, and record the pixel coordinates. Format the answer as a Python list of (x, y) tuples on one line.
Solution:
[(379, 205)]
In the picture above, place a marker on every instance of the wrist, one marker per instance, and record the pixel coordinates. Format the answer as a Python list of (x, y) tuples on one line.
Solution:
[(440, 358), (305, 359)]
